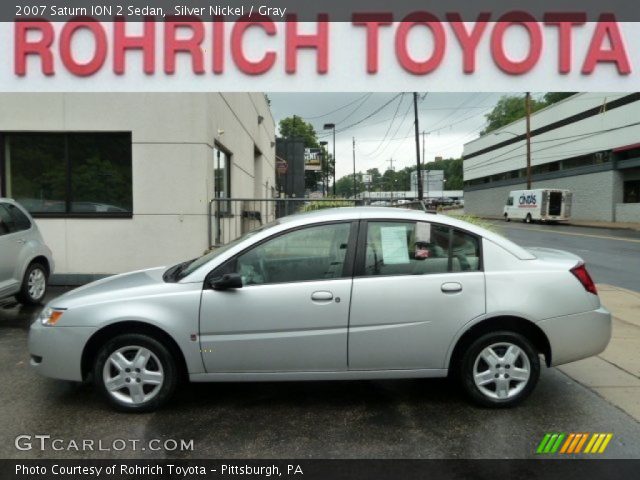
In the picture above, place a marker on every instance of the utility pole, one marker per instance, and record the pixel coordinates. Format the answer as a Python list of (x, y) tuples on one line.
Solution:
[(417, 133), (354, 168), (332, 126), (391, 160), (527, 100)]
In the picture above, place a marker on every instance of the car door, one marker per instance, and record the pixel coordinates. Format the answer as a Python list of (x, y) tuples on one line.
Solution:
[(416, 285), (291, 314), (11, 245)]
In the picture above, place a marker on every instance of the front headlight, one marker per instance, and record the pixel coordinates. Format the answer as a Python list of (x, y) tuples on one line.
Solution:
[(50, 316)]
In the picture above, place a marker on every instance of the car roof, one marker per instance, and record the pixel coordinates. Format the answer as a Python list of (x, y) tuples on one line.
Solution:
[(393, 213)]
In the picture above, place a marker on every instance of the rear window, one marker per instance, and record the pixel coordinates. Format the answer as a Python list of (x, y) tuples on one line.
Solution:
[(20, 220), (12, 219)]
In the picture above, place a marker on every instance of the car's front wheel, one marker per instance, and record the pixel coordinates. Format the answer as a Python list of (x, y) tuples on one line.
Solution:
[(135, 372), (500, 369), (34, 285)]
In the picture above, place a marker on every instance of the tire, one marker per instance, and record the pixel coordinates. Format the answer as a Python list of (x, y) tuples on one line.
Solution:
[(528, 218), (504, 391), (506, 218), (34, 285), (147, 385)]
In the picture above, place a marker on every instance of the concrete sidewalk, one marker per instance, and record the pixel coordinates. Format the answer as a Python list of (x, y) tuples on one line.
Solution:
[(615, 373)]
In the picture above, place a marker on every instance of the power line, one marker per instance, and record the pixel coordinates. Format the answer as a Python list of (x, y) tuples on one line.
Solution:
[(364, 100), (375, 112), (386, 134), (337, 109)]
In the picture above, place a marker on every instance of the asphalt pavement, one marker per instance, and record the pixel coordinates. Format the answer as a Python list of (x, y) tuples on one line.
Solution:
[(360, 419), (612, 256)]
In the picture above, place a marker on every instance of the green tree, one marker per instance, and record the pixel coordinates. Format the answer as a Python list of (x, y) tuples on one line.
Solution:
[(550, 98), (512, 107), (507, 110), (292, 127), (452, 168)]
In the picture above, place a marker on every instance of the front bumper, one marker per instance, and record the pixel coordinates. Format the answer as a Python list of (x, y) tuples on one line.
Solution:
[(56, 352), (578, 336)]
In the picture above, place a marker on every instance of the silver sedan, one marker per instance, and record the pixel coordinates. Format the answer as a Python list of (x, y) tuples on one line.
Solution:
[(350, 293)]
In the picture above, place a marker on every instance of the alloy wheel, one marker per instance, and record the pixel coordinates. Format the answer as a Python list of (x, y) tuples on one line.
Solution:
[(36, 284), (133, 375), (501, 370)]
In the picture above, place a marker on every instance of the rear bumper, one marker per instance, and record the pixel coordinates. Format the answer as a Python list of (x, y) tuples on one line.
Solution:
[(574, 337), (56, 352)]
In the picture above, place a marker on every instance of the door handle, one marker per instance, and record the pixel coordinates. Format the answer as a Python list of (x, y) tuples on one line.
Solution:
[(21, 241), (451, 287), (322, 296)]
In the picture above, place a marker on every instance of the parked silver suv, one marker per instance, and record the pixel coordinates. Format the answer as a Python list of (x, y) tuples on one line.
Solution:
[(25, 261)]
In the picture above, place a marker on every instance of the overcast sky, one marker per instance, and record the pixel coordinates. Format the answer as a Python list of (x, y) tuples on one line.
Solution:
[(450, 119)]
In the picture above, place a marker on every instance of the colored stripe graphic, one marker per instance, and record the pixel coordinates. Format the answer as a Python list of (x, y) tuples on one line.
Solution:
[(542, 444), (582, 440), (573, 443), (607, 439)]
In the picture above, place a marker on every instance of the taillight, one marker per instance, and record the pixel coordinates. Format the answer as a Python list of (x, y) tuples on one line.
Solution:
[(580, 272)]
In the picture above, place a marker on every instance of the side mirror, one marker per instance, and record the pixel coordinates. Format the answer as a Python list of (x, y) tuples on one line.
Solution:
[(226, 281)]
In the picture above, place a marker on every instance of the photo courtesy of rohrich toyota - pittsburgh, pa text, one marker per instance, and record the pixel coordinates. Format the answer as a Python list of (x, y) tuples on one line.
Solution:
[(318, 240)]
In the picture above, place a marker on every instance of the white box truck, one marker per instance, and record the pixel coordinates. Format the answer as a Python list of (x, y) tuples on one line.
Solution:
[(542, 204)]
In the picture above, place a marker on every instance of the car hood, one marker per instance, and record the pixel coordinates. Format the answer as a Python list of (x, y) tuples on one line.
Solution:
[(554, 256), (112, 287)]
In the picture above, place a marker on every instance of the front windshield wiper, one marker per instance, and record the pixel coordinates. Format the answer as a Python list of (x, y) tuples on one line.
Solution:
[(173, 273)]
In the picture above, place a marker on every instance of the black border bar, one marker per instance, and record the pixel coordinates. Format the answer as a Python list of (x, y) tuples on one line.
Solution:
[(551, 469), (308, 10)]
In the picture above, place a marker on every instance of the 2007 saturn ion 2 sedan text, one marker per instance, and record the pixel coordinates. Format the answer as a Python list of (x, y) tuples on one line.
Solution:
[(348, 293)]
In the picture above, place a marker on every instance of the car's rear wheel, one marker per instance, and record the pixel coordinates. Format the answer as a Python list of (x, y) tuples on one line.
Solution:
[(135, 373), (500, 369), (34, 285), (528, 218)]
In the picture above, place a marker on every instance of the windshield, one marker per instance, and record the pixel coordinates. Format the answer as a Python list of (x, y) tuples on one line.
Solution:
[(182, 270)]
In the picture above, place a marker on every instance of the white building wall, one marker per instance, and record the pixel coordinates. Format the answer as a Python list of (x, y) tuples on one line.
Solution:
[(569, 141), (173, 138)]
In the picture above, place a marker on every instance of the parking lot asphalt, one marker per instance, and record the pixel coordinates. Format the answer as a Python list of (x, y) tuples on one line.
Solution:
[(612, 255), (361, 419)]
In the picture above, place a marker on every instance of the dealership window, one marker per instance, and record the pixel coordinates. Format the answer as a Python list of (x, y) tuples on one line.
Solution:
[(69, 174), (222, 173), (631, 191), (222, 179)]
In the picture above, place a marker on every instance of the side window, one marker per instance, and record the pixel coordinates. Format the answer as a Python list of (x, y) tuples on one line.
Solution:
[(6, 222), (20, 220), (313, 253), (465, 252), (406, 248), (510, 201), (419, 248)]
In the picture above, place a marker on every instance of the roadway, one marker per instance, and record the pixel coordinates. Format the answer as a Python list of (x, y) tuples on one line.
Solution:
[(612, 256)]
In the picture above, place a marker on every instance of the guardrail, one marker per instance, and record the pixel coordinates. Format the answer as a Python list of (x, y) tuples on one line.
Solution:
[(229, 218)]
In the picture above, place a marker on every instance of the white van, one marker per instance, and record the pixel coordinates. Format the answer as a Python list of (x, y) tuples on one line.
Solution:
[(543, 204)]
